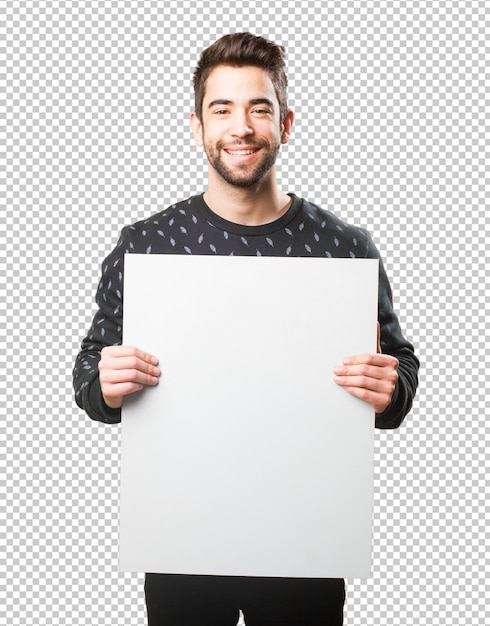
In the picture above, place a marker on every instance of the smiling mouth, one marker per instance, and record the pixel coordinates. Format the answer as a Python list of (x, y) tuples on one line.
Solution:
[(241, 152), (238, 152)]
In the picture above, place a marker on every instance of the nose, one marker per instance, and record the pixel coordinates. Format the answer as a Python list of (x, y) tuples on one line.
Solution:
[(241, 125)]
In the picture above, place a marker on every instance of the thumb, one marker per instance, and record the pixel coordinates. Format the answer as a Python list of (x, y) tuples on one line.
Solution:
[(378, 340)]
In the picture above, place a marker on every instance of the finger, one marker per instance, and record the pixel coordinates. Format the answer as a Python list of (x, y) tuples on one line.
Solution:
[(113, 394), (115, 385), (123, 351), (111, 376), (128, 363), (368, 371), (378, 401), (378, 339), (121, 389), (378, 360), (365, 382)]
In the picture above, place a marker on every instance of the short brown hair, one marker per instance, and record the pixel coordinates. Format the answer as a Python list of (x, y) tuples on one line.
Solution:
[(239, 50)]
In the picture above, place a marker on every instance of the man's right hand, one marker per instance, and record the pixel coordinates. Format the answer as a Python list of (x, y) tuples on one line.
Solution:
[(124, 370)]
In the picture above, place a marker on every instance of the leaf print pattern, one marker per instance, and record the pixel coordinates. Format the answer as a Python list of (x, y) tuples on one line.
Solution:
[(190, 227)]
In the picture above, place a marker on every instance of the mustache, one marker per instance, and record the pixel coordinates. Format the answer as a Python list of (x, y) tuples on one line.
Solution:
[(236, 144)]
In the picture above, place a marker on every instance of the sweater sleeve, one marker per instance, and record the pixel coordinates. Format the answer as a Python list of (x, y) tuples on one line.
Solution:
[(393, 342), (106, 330)]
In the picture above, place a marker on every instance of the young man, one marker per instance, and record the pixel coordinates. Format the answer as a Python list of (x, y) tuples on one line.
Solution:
[(241, 118)]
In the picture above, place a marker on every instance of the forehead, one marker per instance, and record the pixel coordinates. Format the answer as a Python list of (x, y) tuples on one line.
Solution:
[(238, 84)]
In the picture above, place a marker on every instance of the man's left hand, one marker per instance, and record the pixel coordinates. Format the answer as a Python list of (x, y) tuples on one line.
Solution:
[(371, 377)]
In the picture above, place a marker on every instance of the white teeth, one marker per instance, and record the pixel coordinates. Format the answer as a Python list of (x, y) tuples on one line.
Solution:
[(240, 152)]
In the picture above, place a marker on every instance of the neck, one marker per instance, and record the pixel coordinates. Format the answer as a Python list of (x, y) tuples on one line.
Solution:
[(250, 206)]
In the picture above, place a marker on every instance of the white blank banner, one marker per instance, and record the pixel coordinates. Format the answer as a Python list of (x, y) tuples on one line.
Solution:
[(247, 459)]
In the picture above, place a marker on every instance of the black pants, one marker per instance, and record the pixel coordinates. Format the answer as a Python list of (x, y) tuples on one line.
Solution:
[(175, 600)]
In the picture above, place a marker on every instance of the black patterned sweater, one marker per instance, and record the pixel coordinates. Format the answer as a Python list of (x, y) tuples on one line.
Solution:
[(190, 227)]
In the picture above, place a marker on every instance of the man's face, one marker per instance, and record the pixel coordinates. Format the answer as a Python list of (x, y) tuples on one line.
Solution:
[(240, 128)]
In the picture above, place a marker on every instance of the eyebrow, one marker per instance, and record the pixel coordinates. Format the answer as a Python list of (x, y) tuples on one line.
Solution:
[(254, 102)]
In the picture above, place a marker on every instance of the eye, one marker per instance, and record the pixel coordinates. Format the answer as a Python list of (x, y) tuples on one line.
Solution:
[(261, 111)]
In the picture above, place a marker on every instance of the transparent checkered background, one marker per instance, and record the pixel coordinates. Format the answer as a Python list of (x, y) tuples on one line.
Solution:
[(392, 134)]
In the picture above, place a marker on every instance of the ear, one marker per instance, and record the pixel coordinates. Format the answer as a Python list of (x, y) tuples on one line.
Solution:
[(286, 126), (196, 129)]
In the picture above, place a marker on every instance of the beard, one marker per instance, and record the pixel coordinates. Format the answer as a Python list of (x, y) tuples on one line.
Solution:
[(243, 175)]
